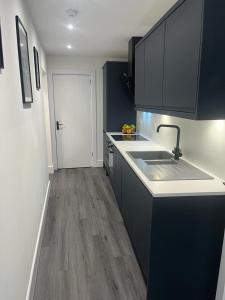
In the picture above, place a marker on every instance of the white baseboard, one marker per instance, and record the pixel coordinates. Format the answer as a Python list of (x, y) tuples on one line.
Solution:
[(50, 169), (99, 163), (33, 272)]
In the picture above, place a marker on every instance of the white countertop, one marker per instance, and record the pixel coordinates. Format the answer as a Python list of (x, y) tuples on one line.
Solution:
[(167, 188)]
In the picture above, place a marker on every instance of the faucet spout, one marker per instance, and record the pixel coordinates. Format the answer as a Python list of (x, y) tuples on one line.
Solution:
[(176, 151)]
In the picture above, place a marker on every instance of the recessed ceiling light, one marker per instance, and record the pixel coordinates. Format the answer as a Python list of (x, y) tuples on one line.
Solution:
[(69, 47), (70, 26)]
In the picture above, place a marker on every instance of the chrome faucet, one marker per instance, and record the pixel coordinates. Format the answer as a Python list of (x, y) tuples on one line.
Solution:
[(176, 151)]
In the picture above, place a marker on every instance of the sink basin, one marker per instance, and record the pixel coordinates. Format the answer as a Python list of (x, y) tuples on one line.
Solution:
[(161, 162), (151, 155), (161, 166)]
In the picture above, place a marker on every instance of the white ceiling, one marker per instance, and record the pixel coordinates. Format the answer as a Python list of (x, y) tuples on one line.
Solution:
[(103, 27)]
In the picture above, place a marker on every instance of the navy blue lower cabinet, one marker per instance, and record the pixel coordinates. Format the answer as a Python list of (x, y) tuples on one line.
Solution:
[(106, 143), (186, 246), (117, 176), (137, 211), (178, 241)]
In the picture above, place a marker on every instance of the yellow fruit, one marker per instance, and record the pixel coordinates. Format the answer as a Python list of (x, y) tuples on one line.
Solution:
[(128, 129)]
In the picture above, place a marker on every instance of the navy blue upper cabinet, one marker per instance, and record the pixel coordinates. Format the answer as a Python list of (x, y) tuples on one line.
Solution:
[(154, 53), (140, 74), (182, 55), (184, 69)]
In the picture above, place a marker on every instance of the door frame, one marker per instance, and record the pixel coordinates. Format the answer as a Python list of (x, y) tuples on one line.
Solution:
[(93, 113)]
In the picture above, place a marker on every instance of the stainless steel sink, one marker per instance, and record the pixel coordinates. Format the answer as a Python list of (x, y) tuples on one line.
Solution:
[(151, 155), (161, 162), (161, 166)]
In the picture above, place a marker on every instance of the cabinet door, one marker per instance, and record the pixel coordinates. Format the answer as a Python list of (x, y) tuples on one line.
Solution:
[(117, 177), (182, 56), (154, 57), (140, 75), (137, 213)]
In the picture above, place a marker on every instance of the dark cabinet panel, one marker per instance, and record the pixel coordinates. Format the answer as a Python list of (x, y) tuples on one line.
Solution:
[(106, 150), (140, 75), (105, 98), (186, 244), (117, 176), (105, 161), (131, 56), (177, 240), (191, 63), (211, 86), (128, 198), (154, 58), (118, 106), (137, 210), (182, 56)]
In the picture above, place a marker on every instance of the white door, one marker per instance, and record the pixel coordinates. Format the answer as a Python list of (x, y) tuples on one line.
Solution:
[(72, 97)]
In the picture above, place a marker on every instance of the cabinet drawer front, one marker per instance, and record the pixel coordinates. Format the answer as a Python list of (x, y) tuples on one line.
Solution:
[(182, 56)]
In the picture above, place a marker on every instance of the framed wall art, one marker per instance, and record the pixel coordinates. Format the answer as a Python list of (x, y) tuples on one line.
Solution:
[(37, 69), (24, 62)]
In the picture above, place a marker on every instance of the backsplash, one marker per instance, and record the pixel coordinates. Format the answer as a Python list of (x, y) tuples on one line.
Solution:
[(202, 142)]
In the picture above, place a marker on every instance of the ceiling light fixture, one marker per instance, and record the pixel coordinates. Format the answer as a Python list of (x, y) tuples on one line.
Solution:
[(69, 47), (71, 15), (70, 26)]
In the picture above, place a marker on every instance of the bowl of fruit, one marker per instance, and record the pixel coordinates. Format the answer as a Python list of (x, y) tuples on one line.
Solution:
[(128, 129)]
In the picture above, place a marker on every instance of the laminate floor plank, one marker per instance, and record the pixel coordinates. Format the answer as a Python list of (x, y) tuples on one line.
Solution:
[(86, 253)]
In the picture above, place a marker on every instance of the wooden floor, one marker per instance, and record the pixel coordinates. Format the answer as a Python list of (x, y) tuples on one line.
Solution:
[(86, 253)]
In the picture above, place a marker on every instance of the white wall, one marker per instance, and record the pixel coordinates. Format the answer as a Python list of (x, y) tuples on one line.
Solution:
[(202, 142), (83, 64), (45, 99), (23, 160)]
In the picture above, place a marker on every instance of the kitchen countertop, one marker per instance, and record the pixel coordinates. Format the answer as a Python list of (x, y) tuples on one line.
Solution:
[(167, 188)]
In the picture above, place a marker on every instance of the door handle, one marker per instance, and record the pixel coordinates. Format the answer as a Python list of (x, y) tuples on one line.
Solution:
[(58, 125)]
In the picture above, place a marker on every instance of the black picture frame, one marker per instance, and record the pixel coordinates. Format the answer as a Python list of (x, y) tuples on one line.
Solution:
[(1, 51), (37, 68), (24, 62)]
